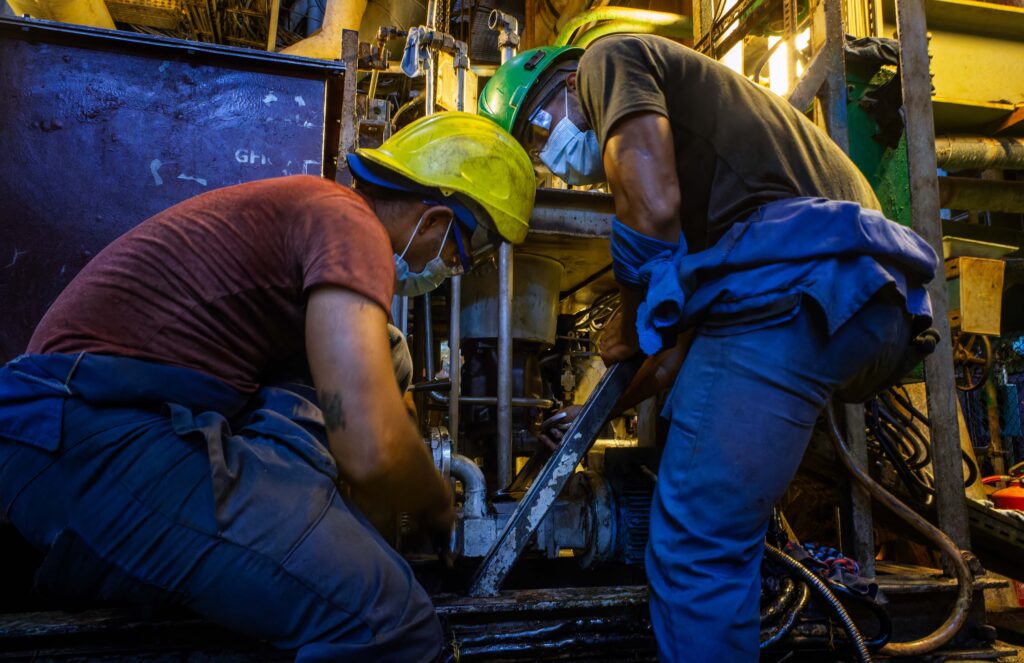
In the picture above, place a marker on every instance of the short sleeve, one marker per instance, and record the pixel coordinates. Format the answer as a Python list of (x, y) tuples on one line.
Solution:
[(619, 75), (338, 240)]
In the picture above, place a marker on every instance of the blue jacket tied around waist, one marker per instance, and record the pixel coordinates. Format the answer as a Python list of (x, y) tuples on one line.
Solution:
[(838, 253)]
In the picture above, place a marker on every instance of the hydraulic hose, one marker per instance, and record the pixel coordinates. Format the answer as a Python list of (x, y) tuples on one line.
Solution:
[(812, 580), (676, 23), (880, 613), (772, 636), (965, 579), (779, 605)]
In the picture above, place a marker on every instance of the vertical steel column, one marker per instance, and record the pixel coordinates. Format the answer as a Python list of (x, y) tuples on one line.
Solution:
[(833, 97), (924, 206), (858, 528), (504, 455), (504, 467), (428, 337), (430, 91), (454, 359)]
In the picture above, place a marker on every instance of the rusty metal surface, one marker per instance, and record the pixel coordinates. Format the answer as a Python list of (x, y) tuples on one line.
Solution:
[(101, 130), (968, 193), (548, 485), (924, 204), (979, 152)]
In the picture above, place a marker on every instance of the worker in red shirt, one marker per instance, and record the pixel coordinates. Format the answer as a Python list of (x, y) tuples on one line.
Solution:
[(155, 445)]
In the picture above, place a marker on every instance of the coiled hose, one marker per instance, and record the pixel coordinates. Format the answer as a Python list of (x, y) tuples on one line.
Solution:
[(964, 576), (811, 579), (771, 636)]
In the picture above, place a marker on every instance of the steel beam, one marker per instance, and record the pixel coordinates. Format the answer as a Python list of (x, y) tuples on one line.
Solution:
[(548, 485), (924, 203), (858, 531)]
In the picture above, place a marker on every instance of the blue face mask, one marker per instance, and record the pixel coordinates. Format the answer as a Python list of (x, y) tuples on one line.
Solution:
[(414, 284), (572, 155)]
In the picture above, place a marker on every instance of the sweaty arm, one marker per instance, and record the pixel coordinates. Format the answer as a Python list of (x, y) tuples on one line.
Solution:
[(376, 446), (640, 163)]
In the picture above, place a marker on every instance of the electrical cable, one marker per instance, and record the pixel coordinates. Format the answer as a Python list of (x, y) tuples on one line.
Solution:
[(880, 613), (770, 636), (781, 602), (812, 581), (965, 578)]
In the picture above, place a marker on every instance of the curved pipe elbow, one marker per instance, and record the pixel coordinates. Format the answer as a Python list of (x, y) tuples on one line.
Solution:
[(474, 486)]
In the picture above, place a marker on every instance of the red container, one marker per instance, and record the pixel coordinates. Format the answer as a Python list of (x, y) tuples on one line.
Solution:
[(1011, 497)]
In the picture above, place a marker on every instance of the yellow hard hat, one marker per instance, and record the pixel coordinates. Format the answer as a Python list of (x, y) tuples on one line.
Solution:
[(465, 156)]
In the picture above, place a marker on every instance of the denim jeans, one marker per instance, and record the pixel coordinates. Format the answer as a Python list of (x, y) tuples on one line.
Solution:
[(234, 515), (741, 414)]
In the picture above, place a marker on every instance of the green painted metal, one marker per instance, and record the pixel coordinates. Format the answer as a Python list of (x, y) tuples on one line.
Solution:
[(885, 168)]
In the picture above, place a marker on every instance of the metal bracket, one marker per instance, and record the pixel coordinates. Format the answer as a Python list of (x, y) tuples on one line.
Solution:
[(552, 479)]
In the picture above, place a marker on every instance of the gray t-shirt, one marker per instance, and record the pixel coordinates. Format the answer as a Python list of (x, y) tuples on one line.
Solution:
[(738, 145)]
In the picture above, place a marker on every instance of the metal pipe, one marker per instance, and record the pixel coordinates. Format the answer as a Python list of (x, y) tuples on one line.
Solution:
[(542, 403), (508, 27), (430, 92), (979, 153), (432, 14), (460, 94), (968, 193), (915, 76), (428, 336), (964, 576), (504, 463), (454, 359), (474, 486)]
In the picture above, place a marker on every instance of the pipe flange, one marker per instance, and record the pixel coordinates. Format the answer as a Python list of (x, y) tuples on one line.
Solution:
[(440, 443)]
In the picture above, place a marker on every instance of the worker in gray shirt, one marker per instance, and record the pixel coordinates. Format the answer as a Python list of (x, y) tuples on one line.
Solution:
[(755, 270)]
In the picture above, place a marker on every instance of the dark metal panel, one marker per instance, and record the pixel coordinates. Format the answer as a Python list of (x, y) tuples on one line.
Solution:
[(101, 129)]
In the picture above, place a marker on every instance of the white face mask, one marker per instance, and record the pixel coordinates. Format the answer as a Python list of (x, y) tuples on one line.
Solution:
[(434, 273), (572, 155)]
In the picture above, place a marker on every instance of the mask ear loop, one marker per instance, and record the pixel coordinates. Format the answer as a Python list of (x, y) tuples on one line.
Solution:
[(566, 98), (413, 236), (445, 240)]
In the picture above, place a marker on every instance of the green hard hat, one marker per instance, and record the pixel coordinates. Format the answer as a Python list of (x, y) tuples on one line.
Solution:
[(504, 94)]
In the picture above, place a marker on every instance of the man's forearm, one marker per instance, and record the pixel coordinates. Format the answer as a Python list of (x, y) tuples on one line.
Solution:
[(656, 374)]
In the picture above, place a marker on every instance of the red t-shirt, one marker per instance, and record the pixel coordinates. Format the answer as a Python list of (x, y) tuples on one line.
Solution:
[(218, 283)]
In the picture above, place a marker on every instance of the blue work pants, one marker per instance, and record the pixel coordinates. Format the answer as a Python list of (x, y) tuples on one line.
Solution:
[(236, 516), (741, 414)]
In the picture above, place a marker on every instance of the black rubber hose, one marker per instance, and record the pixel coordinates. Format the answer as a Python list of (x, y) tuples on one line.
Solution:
[(816, 583), (770, 636), (781, 602), (919, 489), (965, 579), (880, 613)]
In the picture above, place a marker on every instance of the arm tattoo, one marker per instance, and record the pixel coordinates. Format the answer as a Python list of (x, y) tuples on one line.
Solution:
[(334, 413)]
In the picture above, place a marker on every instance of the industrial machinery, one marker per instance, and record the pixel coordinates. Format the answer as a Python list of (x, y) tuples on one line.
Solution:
[(547, 552)]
